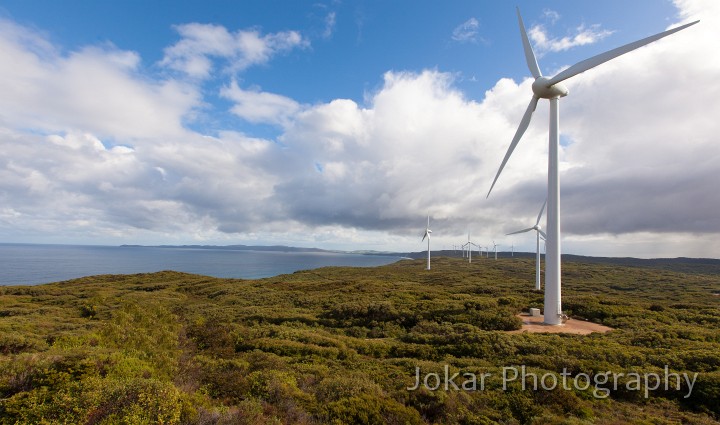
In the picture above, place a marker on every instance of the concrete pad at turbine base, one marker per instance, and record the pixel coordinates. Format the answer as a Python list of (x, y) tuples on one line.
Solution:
[(536, 324)]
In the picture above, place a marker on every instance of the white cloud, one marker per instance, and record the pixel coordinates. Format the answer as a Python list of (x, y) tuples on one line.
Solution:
[(260, 107), (201, 43), (551, 15), (467, 31), (647, 140), (330, 22), (170, 186), (581, 36), (419, 145), (97, 89)]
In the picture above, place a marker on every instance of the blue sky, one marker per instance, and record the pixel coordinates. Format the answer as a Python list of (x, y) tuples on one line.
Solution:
[(351, 43), (338, 124)]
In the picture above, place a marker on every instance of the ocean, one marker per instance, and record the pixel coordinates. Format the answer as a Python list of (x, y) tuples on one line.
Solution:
[(28, 264)]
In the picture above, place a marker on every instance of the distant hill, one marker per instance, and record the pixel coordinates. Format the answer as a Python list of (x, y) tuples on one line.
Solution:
[(680, 264), (270, 248)]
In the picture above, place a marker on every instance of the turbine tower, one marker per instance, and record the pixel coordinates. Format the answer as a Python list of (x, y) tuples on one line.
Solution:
[(539, 232), (495, 248), (427, 235), (553, 89)]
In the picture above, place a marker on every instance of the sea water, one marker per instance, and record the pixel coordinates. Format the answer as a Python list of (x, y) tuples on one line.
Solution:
[(27, 264)]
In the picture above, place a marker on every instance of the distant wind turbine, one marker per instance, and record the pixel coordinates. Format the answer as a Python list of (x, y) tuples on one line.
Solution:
[(539, 233), (553, 90), (495, 248), (427, 235), (469, 245)]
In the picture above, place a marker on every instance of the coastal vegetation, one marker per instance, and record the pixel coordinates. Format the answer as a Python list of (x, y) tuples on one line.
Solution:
[(342, 346)]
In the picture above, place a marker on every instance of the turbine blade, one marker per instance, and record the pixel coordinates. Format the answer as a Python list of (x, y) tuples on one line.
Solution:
[(544, 236), (524, 123), (541, 211), (594, 61), (520, 231), (529, 54), (424, 236)]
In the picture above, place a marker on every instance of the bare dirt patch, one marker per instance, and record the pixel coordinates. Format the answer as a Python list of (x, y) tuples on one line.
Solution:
[(535, 324)]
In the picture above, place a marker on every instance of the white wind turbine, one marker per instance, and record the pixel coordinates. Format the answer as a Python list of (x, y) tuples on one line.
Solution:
[(539, 233), (552, 89), (469, 245), (427, 235), (495, 248)]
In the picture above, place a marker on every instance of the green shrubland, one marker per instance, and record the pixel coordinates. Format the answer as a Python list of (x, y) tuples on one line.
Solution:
[(341, 346)]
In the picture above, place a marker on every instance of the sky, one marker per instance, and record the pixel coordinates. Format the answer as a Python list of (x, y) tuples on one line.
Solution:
[(343, 124)]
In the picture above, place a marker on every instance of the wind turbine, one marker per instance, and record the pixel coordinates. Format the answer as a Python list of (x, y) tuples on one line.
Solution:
[(495, 248), (553, 89), (427, 235), (539, 233), (469, 248)]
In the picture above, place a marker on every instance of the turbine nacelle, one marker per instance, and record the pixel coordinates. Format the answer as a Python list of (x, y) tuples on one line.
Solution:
[(544, 89), (427, 230)]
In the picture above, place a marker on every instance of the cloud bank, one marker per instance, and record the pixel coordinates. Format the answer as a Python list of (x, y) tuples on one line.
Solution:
[(93, 149)]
